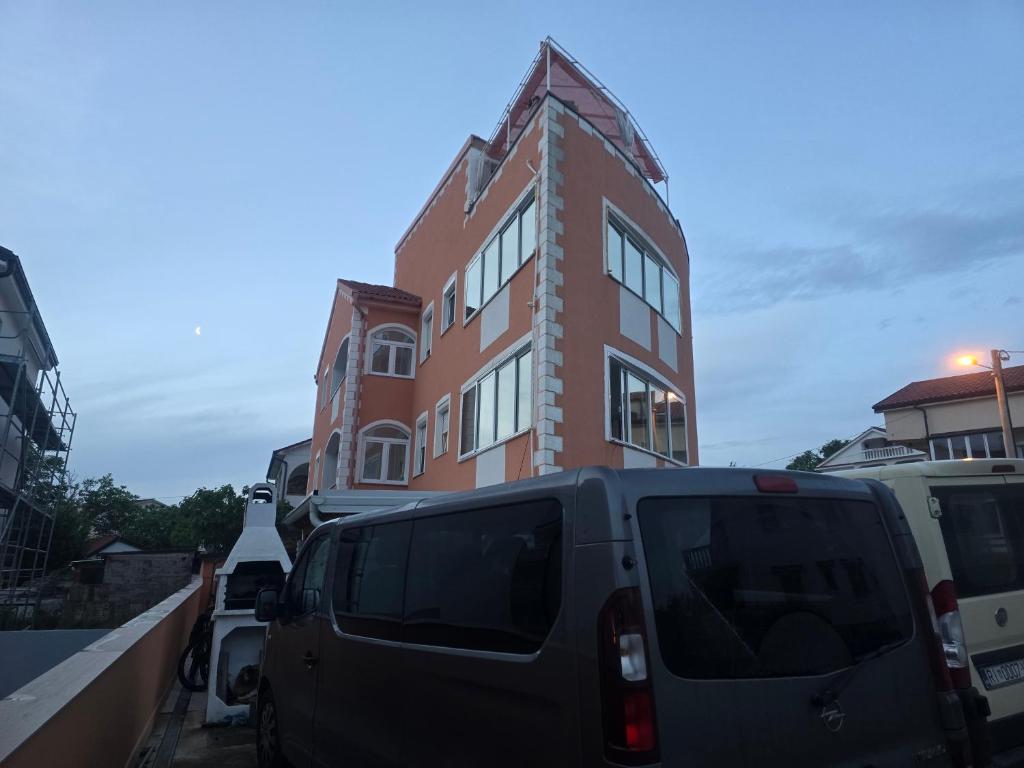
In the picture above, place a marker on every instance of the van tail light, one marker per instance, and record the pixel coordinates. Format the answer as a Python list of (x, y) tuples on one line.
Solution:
[(929, 622), (951, 632), (627, 698)]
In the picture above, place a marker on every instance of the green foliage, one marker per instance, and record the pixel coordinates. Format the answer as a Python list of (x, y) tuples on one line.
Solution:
[(808, 460)]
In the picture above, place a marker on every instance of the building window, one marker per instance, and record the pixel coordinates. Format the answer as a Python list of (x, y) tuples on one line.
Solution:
[(644, 413), (391, 352), (494, 266), (642, 271), (385, 455), (420, 451), (497, 405), (442, 425), (448, 303), (323, 390), (426, 332), (979, 445), (340, 367)]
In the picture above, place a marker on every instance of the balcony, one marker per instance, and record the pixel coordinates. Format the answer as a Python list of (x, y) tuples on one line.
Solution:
[(888, 452)]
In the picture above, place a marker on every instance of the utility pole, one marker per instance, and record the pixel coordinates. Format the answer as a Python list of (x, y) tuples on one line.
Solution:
[(998, 356)]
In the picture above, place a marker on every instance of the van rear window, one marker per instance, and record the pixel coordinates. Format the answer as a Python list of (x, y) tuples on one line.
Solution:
[(751, 587), (983, 527)]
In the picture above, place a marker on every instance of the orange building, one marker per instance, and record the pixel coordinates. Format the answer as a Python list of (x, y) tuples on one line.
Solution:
[(540, 314)]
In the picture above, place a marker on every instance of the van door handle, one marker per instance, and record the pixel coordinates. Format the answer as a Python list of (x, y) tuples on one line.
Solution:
[(310, 660)]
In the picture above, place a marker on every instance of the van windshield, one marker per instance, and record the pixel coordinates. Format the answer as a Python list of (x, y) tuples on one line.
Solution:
[(754, 587), (983, 527)]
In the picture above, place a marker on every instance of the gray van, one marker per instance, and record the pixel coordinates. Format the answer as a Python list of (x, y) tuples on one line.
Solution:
[(691, 617)]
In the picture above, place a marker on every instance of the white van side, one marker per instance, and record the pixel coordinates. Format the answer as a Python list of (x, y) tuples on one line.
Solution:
[(968, 520)]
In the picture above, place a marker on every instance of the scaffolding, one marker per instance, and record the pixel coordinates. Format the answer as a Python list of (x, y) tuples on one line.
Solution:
[(36, 427)]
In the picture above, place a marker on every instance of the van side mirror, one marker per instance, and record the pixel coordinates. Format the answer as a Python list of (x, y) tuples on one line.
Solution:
[(268, 606)]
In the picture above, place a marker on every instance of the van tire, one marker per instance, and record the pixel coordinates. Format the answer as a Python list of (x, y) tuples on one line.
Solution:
[(268, 735)]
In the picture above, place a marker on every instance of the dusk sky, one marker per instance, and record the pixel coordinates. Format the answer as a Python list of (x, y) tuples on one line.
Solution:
[(849, 177)]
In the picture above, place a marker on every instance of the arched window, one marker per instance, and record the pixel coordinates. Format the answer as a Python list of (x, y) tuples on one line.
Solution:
[(340, 367), (297, 480), (331, 462), (392, 351), (385, 455)]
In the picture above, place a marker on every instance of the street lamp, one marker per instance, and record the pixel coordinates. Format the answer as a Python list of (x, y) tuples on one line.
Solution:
[(998, 356)]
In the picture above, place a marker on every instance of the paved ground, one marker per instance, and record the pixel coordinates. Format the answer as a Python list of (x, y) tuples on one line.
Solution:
[(179, 739)]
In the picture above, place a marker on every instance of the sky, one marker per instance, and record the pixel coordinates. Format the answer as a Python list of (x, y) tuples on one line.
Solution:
[(849, 177)]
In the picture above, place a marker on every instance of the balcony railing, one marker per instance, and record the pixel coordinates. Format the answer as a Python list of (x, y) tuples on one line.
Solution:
[(888, 452)]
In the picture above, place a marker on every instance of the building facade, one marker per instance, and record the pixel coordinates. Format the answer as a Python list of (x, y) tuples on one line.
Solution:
[(539, 318), (871, 448), (289, 471), (956, 417), (36, 427)]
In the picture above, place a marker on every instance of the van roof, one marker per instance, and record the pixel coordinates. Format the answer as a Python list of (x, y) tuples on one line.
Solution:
[(956, 468), (639, 482)]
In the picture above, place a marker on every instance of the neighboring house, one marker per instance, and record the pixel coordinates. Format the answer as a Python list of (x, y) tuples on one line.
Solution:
[(539, 318), (956, 417), (151, 504), (289, 471), (107, 544), (36, 425), (870, 449)]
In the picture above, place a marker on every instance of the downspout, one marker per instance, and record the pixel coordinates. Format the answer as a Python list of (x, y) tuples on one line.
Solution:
[(927, 431)]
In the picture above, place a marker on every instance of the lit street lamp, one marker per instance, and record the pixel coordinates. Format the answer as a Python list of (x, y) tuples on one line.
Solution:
[(998, 356)]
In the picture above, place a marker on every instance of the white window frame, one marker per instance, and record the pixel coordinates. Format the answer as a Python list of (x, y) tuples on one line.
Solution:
[(336, 385), (652, 377), (523, 201), (451, 284), (419, 456), (511, 354), (426, 333), (325, 385), (618, 220), (948, 440), (445, 403), (368, 361), (388, 442)]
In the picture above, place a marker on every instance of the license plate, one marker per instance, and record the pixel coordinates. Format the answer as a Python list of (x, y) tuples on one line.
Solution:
[(1000, 675)]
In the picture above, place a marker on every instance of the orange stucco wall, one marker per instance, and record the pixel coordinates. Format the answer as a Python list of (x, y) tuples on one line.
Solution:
[(591, 297), (444, 241), (339, 326), (445, 238)]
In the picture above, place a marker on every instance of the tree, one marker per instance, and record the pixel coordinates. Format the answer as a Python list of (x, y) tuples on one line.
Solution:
[(808, 460), (209, 518)]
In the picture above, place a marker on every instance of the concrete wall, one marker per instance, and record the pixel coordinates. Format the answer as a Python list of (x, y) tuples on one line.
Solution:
[(95, 709), (132, 583), (977, 415)]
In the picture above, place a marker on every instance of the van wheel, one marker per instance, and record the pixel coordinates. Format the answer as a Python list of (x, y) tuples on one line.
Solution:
[(268, 736)]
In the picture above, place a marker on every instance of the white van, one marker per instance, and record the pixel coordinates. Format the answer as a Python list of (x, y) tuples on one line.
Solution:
[(968, 519)]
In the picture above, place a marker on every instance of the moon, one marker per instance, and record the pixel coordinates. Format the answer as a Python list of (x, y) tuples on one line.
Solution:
[(199, 330)]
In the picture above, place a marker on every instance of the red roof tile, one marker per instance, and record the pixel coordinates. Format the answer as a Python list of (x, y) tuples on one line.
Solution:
[(951, 388), (381, 292)]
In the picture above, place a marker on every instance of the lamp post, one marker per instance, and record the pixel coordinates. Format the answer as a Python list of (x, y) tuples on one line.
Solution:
[(998, 356)]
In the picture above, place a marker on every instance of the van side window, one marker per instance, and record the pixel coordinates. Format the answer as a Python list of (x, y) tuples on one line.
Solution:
[(307, 582), (369, 579), (487, 579)]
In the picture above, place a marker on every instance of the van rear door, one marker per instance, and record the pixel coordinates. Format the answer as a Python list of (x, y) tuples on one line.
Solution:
[(982, 522), (784, 634)]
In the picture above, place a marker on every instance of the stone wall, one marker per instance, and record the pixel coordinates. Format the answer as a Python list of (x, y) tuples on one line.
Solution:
[(133, 582)]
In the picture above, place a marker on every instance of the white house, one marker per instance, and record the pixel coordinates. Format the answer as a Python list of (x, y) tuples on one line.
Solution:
[(870, 448)]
